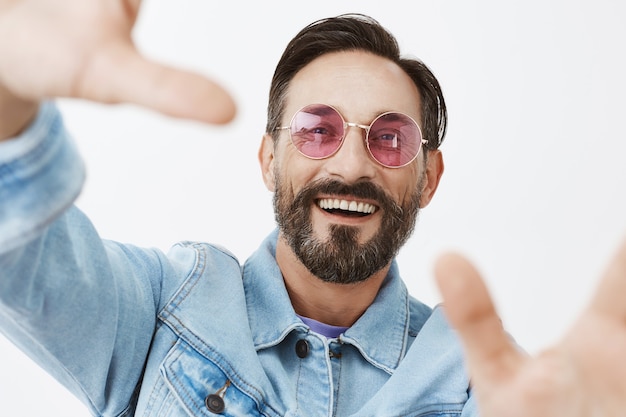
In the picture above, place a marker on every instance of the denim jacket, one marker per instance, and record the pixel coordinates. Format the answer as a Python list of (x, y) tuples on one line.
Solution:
[(137, 332)]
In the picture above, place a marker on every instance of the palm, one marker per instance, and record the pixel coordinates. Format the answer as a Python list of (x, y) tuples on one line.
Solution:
[(83, 48), (583, 375)]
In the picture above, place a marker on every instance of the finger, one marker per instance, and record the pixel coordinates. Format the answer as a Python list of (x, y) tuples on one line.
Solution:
[(132, 6), (471, 311), (119, 74), (610, 297)]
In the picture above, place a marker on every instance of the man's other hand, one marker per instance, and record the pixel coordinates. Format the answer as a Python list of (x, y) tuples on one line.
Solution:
[(583, 375), (83, 49)]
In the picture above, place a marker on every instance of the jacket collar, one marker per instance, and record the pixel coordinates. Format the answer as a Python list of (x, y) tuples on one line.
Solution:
[(380, 334)]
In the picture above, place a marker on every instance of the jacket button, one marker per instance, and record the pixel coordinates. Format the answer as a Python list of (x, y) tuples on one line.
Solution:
[(214, 403), (302, 348)]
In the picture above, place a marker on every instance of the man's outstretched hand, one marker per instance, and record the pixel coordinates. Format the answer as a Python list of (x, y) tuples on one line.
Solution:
[(83, 49), (583, 375)]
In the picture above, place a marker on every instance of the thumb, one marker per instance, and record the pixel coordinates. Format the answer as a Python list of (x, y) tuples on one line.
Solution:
[(119, 74), (609, 297), (471, 311)]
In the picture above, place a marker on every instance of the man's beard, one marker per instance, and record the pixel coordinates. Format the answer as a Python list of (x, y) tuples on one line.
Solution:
[(341, 258)]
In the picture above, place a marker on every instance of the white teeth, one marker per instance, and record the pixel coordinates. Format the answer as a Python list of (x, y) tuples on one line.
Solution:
[(359, 207)]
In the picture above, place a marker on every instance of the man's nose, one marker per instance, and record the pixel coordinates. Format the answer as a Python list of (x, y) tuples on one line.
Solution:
[(352, 162)]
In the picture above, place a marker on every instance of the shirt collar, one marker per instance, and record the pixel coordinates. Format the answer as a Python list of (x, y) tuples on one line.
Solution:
[(270, 312), (380, 334)]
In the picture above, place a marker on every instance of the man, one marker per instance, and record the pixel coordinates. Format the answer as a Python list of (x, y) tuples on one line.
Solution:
[(318, 322)]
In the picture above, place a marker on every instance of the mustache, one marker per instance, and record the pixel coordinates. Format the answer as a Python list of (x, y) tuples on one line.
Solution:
[(364, 190)]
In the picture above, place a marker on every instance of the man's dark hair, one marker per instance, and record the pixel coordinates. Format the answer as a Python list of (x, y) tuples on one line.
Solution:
[(356, 32)]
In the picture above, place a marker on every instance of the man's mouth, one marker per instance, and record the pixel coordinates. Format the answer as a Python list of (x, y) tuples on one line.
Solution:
[(346, 207)]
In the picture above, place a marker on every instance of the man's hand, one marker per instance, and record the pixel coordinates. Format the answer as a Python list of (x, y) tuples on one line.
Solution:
[(583, 375), (83, 49)]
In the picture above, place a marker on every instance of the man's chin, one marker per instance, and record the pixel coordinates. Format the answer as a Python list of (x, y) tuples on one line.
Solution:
[(359, 235), (328, 232)]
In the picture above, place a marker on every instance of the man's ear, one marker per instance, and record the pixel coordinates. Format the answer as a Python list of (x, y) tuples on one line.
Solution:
[(433, 171), (266, 160)]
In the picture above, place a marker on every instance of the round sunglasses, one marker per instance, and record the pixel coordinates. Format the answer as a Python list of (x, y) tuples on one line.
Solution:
[(393, 139)]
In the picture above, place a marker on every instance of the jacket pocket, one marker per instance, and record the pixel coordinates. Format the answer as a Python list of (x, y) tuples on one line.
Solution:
[(200, 387)]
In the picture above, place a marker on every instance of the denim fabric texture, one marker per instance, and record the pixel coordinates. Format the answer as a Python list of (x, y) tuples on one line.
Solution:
[(193, 332)]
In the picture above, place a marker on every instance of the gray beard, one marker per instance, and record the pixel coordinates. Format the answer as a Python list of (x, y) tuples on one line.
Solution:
[(341, 258)]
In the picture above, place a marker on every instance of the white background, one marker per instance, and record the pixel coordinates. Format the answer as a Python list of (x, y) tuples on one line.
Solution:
[(535, 178)]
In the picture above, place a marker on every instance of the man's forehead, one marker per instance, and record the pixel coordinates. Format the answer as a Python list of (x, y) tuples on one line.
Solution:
[(356, 82)]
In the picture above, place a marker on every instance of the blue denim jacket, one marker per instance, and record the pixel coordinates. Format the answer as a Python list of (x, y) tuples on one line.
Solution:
[(136, 332)]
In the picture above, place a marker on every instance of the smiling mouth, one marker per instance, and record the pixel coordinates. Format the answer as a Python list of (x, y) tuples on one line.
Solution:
[(346, 207)]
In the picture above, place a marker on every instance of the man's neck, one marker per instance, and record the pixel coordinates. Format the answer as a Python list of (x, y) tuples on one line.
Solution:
[(334, 304)]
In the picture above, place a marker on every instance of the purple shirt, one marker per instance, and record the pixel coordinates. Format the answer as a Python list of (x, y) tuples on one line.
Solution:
[(324, 329)]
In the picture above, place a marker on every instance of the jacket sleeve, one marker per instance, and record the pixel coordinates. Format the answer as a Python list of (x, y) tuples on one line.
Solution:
[(81, 307)]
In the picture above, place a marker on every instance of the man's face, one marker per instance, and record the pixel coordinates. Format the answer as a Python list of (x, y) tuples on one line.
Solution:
[(378, 205)]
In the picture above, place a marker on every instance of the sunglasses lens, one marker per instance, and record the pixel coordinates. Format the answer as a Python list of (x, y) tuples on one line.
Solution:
[(317, 131), (394, 139)]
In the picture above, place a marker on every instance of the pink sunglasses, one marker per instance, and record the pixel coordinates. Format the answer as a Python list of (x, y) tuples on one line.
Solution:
[(393, 139)]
